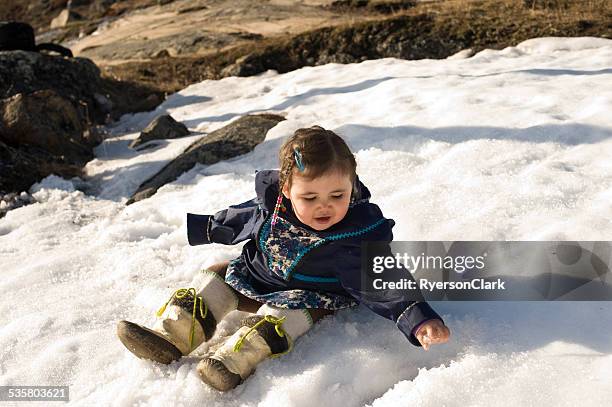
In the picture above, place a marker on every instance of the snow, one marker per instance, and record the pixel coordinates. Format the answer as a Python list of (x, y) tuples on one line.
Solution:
[(504, 145)]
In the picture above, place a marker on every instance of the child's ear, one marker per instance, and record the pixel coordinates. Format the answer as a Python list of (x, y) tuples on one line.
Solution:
[(286, 191)]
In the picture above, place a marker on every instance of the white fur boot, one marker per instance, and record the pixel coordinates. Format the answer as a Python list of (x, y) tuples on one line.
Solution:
[(268, 333), (187, 320)]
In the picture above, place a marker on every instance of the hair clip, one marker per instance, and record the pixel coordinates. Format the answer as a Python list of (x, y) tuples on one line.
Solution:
[(298, 159)]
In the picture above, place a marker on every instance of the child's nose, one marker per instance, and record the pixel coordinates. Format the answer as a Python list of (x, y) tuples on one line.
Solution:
[(327, 203)]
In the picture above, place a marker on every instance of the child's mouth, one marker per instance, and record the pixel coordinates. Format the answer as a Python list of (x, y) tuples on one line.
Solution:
[(323, 219)]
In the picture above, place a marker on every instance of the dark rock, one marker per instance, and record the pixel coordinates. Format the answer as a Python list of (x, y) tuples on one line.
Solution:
[(237, 138), (161, 128), (49, 109), (76, 79), (22, 167), (244, 66), (405, 37), (16, 35), (13, 201), (47, 121), (18, 169), (149, 146)]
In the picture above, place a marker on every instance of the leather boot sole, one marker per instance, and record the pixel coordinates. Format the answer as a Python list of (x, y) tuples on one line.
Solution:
[(147, 344), (215, 374)]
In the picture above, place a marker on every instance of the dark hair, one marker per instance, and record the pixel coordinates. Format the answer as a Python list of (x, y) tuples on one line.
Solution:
[(321, 151)]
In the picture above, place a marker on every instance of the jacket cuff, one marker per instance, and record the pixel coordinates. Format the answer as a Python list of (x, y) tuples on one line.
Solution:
[(413, 316), (198, 229)]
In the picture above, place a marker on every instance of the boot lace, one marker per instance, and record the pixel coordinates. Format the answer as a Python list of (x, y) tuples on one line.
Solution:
[(277, 327), (203, 308)]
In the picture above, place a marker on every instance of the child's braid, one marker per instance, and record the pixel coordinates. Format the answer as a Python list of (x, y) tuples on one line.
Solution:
[(287, 162)]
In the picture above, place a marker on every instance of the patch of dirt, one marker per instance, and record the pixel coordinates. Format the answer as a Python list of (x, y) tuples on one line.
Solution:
[(168, 45), (428, 30)]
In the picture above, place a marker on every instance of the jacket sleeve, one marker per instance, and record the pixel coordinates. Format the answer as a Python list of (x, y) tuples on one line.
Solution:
[(407, 311), (229, 226)]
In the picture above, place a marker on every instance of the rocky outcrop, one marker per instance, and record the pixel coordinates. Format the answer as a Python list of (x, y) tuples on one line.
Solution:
[(18, 169), (49, 106), (161, 128), (405, 37), (237, 138), (49, 122), (24, 72), (75, 79)]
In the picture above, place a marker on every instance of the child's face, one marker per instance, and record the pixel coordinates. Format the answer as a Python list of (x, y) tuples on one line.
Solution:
[(321, 202)]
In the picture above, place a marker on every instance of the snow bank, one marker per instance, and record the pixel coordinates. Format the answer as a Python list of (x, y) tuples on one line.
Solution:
[(506, 145)]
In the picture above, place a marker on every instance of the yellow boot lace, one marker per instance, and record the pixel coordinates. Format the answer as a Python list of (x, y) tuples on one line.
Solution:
[(277, 327), (182, 293)]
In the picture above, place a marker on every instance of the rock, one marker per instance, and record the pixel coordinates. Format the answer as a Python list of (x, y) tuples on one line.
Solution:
[(243, 66), (22, 167), (64, 17), (13, 201), (49, 109), (104, 102), (149, 146), (46, 121), (18, 169), (76, 79), (162, 53), (161, 128), (237, 138), (405, 37), (16, 35)]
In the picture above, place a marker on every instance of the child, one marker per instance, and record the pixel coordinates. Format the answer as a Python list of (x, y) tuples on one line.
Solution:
[(301, 262)]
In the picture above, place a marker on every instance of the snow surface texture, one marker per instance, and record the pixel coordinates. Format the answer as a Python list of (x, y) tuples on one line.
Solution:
[(507, 145)]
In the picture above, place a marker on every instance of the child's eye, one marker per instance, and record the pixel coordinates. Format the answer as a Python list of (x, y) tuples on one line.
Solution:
[(337, 196), (310, 198)]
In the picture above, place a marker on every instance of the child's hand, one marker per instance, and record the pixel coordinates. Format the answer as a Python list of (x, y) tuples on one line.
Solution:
[(432, 332)]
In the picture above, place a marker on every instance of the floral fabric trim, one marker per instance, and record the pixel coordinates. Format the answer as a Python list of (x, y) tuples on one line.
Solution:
[(237, 277)]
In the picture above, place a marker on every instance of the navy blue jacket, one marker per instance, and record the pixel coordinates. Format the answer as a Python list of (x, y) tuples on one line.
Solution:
[(333, 267)]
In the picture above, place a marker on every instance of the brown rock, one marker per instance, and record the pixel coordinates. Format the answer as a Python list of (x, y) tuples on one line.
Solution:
[(47, 121), (237, 138), (161, 128)]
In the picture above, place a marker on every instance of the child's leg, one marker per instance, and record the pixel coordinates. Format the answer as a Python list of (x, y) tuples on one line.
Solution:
[(249, 305), (270, 332), (178, 329), (244, 303)]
